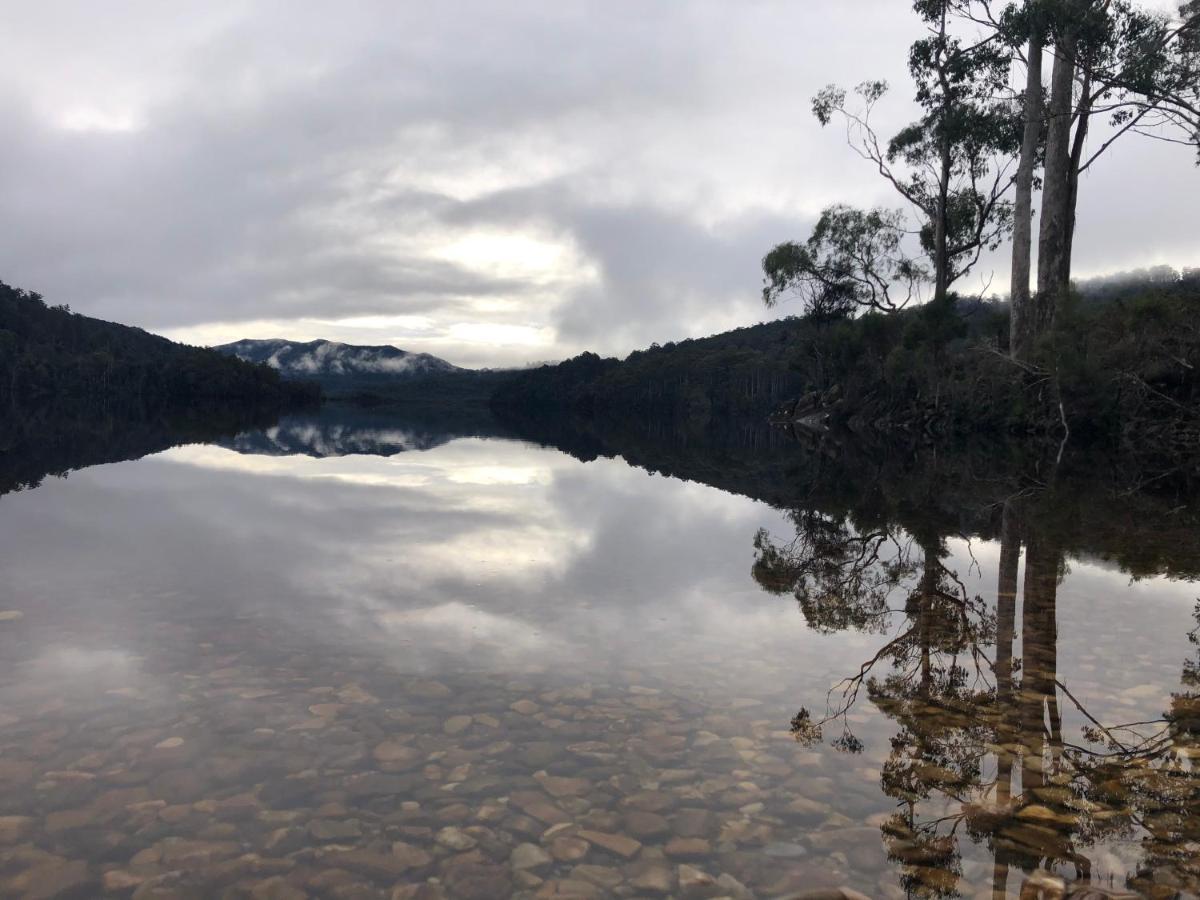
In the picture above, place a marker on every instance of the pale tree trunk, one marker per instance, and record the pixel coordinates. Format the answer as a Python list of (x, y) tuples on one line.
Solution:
[(941, 256), (1006, 605), (1039, 668), (1006, 618), (1054, 244), (941, 260), (1083, 115), (1022, 332)]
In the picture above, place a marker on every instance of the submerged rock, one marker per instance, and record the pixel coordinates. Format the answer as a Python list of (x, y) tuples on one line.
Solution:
[(478, 881), (455, 839), (530, 856), (619, 844), (652, 877), (329, 830), (695, 883)]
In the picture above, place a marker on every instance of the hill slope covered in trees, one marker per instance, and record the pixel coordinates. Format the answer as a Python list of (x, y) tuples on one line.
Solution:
[(1120, 365), (48, 353)]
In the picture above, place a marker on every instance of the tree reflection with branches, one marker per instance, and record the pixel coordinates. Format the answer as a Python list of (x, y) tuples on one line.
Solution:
[(980, 750)]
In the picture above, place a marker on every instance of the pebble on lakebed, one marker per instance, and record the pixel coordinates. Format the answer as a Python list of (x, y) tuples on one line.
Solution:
[(478, 790)]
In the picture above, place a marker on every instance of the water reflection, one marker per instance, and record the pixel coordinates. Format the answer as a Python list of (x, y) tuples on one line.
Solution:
[(991, 748), (354, 655), (348, 430)]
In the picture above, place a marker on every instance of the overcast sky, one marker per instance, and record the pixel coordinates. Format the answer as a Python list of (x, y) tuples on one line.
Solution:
[(493, 182)]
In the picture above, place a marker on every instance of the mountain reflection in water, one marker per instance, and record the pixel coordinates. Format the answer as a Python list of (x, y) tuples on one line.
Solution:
[(358, 655)]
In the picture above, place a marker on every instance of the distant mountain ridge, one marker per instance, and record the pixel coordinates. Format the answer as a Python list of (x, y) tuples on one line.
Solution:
[(322, 359)]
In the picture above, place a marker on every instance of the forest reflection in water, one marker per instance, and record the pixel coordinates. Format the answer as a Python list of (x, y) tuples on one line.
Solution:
[(356, 655), (974, 688)]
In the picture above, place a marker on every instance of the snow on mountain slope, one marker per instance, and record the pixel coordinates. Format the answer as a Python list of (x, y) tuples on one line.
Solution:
[(321, 359)]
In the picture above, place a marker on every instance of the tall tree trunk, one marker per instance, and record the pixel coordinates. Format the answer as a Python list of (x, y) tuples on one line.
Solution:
[(925, 613), (1022, 328), (941, 256), (1083, 115), (1054, 267), (1006, 605), (1039, 651), (1006, 618)]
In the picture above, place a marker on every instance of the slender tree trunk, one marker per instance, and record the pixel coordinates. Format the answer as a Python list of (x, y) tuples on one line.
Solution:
[(941, 260), (1006, 617), (1054, 266), (1039, 652), (1083, 117), (1022, 331), (1006, 605), (927, 590)]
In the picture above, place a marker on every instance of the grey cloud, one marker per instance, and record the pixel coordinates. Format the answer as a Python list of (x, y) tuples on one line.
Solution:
[(661, 272), (294, 161)]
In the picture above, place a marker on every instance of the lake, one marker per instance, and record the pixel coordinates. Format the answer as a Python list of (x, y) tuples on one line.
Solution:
[(352, 656)]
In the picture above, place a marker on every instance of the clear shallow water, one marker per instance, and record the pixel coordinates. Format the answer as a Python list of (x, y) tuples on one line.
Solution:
[(481, 668)]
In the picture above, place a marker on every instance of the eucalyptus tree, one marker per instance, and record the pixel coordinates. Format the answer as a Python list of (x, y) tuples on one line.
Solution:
[(853, 260), (1138, 67), (1027, 21), (952, 166), (1142, 69)]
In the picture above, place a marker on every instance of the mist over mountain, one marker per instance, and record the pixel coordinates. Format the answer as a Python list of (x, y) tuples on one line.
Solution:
[(331, 439), (322, 359)]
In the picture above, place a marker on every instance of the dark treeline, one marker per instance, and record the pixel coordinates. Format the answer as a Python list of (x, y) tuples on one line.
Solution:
[(1117, 368), (1100, 505), (466, 390), (1121, 371), (748, 371), (48, 353), (55, 439)]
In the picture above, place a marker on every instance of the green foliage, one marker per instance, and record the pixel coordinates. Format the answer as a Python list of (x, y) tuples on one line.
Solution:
[(948, 165), (1142, 65), (853, 260)]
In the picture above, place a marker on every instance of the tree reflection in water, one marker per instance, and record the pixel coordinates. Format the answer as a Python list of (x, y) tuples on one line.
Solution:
[(980, 752)]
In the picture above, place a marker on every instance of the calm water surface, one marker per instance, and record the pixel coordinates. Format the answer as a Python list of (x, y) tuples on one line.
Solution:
[(481, 668)]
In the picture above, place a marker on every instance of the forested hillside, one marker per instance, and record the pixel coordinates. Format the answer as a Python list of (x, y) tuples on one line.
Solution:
[(48, 352), (1120, 365), (746, 371)]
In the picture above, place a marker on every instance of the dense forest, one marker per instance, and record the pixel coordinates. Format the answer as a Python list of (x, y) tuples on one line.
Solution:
[(745, 371), (1123, 369), (48, 353), (464, 389)]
